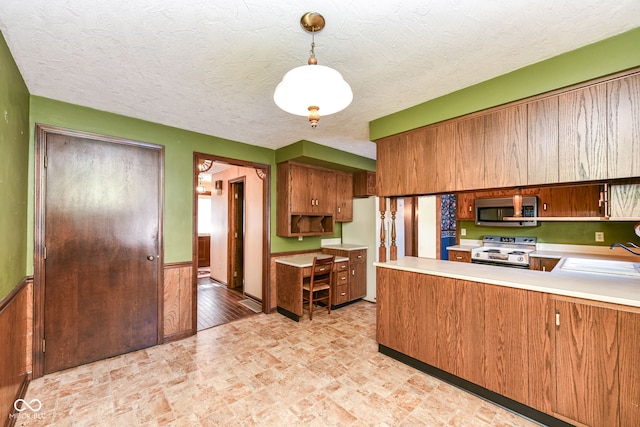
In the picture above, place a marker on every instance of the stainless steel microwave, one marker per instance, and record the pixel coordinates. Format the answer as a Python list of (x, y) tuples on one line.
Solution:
[(491, 212)]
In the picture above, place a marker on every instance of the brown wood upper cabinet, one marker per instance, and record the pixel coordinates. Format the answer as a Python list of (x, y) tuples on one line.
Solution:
[(505, 147), (407, 163), (623, 150), (364, 184), (582, 149), (446, 157), (542, 141), (470, 153), (306, 200), (344, 196), (589, 132)]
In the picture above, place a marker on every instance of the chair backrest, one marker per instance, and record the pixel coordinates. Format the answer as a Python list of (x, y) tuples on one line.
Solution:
[(321, 270)]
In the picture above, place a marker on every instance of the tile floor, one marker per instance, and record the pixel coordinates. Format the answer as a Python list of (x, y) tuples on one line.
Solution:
[(260, 370)]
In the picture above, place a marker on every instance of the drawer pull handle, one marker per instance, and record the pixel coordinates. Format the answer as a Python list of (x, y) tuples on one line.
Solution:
[(458, 257), (359, 256), (343, 294)]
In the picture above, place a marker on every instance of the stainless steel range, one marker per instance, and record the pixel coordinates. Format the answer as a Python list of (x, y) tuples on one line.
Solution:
[(504, 251)]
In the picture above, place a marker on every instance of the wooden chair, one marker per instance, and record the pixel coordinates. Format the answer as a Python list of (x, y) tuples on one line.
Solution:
[(319, 286)]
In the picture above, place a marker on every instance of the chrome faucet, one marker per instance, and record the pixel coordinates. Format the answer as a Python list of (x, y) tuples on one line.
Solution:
[(620, 245)]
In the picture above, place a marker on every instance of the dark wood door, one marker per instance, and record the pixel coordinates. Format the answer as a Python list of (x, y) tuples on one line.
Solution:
[(101, 233), (236, 235)]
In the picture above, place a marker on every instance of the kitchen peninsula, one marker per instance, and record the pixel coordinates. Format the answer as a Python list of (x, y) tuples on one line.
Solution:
[(556, 346)]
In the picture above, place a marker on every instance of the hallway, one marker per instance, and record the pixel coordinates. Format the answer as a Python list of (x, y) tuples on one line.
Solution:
[(261, 370), (218, 305)]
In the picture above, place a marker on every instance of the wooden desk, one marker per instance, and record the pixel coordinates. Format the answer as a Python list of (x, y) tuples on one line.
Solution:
[(291, 273)]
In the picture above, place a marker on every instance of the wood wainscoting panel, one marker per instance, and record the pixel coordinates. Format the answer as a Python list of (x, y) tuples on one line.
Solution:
[(14, 360), (178, 291)]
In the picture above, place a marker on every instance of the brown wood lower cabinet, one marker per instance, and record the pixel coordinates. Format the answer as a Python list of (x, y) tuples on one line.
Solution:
[(459, 256), (587, 364), (543, 264), (355, 286), (569, 358), (460, 329)]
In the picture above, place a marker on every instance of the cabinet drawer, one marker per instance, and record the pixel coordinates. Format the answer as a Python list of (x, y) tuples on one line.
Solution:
[(341, 266), (459, 256), (342, 278), (341, 294), (357, 256)]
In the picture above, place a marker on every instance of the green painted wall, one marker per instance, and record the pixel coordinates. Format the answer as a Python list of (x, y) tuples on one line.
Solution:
[(179, 148), (14, 157), (615, 54), (569, 233)]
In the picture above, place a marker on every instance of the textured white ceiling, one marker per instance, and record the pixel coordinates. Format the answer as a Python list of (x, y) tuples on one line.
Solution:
[(211, 66)]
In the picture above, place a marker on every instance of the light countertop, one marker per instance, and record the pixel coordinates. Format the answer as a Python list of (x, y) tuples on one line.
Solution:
[(615, 289), (462, 248), (345, 247), (306, 260)]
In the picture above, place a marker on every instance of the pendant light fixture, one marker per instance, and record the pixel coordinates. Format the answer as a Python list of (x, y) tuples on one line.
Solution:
[(311, 90)]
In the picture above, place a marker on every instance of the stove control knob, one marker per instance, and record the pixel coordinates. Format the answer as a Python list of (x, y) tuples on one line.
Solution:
[(520, 259), (477, 254)]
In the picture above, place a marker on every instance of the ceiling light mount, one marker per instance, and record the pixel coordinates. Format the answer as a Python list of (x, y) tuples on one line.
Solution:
[(310, 89), (312, 22)]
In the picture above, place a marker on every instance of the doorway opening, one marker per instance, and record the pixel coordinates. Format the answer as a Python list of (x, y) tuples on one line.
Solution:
[(231, 227)]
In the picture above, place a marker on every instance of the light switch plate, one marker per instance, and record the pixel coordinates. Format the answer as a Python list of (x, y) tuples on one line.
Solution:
[(599, 236), (463, 231)]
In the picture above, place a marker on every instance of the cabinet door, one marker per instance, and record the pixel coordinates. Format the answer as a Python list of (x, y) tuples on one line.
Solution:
[(623, 141), (542, 353), (470, 154), (505, 147), (461, 329), (406, 304), (574, 201), (323, 191), (446, 157), (419, 167), (542, 141), (587, 363), (388, 159), (629, 331), (358, 281), (583, 135), (299, 191), (506, 342), (344, 196), (465, 206)]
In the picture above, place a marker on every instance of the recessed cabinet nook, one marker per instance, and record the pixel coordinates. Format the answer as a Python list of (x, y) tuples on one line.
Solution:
[(559, 356)]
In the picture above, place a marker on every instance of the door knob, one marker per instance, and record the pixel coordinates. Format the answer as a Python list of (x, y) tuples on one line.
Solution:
[(150, 257)]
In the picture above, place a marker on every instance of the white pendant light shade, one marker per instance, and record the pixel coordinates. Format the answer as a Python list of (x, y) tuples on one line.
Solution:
[(313, 90), (313, 85)]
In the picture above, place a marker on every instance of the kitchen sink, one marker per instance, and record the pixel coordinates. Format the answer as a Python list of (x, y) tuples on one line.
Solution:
[(602, 266)]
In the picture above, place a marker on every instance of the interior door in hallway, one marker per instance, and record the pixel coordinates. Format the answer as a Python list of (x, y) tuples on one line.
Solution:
[(102, 217), (236, 234)]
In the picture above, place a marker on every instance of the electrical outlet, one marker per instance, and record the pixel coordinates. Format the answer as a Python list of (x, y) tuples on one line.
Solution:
[(300, 238), (463, 231), (599, 236)]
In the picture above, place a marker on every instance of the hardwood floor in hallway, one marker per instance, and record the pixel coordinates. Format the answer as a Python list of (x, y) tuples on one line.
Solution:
[(218, 305), (262, 370)]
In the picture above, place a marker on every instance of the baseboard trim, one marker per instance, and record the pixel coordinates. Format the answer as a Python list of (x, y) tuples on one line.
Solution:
[(22, 392), (493, 397)]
